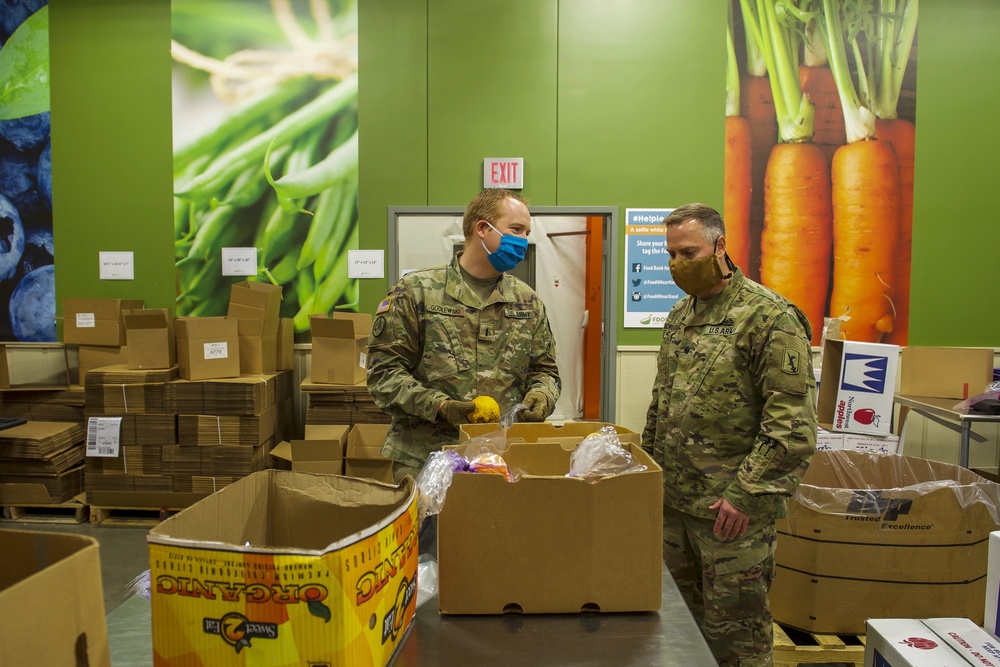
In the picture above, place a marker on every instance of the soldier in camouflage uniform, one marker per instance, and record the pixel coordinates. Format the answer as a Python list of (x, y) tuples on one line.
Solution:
[(733, 423), (447, 334)]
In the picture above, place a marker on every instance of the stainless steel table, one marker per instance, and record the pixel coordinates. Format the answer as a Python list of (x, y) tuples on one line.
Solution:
[(941, 411), (669, 637)]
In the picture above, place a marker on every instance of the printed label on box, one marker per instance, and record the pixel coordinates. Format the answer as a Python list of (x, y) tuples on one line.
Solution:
[(103, 436), (217, 350), (85, 321), (363, 361)]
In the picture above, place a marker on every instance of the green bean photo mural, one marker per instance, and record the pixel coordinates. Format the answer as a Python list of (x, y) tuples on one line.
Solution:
[(265, 130)]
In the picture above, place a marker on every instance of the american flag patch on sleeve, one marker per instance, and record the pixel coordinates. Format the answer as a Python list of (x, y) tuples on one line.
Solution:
[(384, 305)]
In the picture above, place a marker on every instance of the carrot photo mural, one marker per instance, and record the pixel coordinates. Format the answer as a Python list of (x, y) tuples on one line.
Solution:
[(826, 213)]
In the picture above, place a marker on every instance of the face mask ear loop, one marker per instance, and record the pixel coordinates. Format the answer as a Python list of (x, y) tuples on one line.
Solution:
[(732, 267)]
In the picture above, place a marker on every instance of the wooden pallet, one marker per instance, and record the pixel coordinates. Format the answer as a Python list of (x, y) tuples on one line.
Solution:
[(130, 516), (792, 647), (70, 513)]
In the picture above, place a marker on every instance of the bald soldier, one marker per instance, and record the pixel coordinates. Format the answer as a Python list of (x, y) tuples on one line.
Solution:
[(733, 424), (448, 334)]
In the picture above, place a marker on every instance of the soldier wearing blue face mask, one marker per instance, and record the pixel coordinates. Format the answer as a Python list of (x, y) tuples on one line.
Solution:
[(447, 334)]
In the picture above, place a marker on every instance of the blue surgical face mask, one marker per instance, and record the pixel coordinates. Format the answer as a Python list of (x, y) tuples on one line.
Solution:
[(509, 253)]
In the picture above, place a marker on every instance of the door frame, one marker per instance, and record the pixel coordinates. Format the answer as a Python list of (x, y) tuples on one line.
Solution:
[(609, 277)]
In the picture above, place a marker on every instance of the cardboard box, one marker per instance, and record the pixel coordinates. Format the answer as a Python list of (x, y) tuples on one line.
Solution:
[(51, 600), (284, 568), (90, 357), (857, 386), (945, 372), (256, 301), (364, 453), (826, 440), (207, 347), (550, 543), (150, 337), (882, 536), (907, 642), (258, 350), (34, 366), (339, 347), (285, 355), (992, 612), (96, 321), (321, 451), (967, 639)]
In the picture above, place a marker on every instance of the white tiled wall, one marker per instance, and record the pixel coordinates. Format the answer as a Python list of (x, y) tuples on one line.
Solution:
[(636, 370)]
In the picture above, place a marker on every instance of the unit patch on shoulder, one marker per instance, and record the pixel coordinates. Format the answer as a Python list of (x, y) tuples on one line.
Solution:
[(378, 326), (790, 361), (384, 306)]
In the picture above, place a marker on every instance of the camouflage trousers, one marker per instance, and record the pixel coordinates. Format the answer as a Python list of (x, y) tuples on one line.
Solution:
[(725, 585)]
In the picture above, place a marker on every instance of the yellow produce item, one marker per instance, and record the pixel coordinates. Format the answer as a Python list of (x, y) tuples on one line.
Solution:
[(487, 410)]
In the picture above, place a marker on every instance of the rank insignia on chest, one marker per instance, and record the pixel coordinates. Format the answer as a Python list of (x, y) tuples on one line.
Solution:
[(720, 331)]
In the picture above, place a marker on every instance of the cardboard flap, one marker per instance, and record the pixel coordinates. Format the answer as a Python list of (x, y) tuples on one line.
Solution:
[(151, 318), (194, 328), (341, 325)]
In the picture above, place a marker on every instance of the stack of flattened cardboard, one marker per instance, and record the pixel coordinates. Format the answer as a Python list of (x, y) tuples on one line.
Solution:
[(60, 405), (41, 462), (346, 404), (226, 428), (136, 398)]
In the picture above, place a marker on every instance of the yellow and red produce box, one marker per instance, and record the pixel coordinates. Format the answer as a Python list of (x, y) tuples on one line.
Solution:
[(286, 568)]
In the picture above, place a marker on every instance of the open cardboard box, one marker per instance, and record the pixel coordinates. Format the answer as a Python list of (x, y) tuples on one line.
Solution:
[(34, 366), (51, 600), (285, 568), (364, 453), (548, 543), (150, 337), (339, 347), (207, 347), (96, 321), (945, 372), (856, 386), (320, 451), (882, 536), (253, 300)]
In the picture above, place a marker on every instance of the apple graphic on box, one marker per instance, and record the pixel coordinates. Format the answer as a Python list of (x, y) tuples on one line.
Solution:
[(866, 416)]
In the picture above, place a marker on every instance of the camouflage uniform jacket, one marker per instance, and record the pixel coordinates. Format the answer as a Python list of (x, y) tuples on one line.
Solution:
[(734, 402), (433, 339)]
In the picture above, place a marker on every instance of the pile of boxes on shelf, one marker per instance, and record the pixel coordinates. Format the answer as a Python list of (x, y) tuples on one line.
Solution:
[(871, 534), (344, 429), (179, 408)]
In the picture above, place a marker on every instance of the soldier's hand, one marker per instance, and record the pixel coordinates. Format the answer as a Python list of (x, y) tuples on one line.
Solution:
[(536, 407), (456, 412), (730, 523)]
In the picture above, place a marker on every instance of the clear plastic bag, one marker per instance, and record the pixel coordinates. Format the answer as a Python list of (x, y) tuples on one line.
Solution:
[(427, 578), (434, 480), (992, 391), (601, 455)]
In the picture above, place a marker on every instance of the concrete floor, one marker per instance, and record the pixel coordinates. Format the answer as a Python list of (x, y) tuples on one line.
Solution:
[(123, 553)]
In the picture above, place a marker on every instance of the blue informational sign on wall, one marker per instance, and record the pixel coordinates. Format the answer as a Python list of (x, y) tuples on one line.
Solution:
[(650, 292)]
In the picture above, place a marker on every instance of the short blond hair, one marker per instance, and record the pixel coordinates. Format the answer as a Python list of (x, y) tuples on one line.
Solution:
[(487, 205)]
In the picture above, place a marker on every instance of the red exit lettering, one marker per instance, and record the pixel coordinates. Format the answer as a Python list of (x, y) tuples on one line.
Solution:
[(504, 173)]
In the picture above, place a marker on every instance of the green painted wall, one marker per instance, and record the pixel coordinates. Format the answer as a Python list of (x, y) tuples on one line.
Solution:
[(616, 104), (956, 249), (111, 146)]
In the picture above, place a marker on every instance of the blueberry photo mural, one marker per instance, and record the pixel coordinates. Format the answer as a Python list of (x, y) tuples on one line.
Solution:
[(27, 273)]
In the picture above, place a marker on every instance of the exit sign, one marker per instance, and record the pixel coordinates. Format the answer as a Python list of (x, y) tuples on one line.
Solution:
[(503, 172)]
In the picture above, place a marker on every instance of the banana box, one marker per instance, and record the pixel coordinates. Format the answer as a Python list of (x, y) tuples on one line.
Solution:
[(286, 568)]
